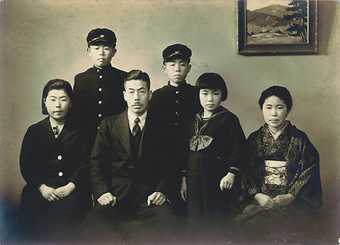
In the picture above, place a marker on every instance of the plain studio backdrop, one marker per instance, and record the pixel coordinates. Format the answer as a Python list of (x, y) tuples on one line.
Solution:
[(45, 39)]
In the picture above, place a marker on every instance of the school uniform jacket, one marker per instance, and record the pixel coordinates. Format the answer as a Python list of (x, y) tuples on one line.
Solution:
[(112, 168), (55, 162), (173, 109), (97, 93)]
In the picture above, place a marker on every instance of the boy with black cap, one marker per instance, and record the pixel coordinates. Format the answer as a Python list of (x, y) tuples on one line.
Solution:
[(98, 91), (173, 107)]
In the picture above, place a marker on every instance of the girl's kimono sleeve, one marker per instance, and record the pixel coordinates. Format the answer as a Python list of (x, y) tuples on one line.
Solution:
[(306, 186)]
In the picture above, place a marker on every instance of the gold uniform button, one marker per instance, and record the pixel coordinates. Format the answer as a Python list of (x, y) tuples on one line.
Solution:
[(100, 115), (177, 92), (101, 76), (60, 174), (100, 89), (60, 157), (98, 127), (100, 102)]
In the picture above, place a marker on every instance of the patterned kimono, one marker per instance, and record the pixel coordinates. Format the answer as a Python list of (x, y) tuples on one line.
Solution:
[(216, 148), (288, 164)]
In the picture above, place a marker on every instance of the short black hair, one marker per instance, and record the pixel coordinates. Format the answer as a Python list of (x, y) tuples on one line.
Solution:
[(278, 91), (138, 75), (58, 84), (212, 80)]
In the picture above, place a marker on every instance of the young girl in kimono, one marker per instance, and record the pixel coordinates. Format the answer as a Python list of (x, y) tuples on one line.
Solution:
[(284, 176), (52, 162), (216, 148)]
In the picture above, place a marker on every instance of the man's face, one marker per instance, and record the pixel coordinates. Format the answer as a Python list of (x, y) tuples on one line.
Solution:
[(137, 96), (101, 55), (177, 70)]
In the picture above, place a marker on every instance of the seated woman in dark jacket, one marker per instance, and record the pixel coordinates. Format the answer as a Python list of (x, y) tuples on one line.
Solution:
[(52, 162), (284, 177)]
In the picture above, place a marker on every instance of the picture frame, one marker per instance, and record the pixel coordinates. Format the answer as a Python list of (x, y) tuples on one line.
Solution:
[(277, 27)]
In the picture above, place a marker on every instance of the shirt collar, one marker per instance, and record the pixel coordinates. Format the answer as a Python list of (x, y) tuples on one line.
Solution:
[(132, 117), (59, 126)]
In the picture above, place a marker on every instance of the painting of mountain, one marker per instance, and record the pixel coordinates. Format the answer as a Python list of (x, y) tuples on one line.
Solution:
[(284, 23)]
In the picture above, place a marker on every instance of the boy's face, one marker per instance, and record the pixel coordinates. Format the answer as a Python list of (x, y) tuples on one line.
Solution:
[(210, 99), (100, 54), (137, 96), (177, 70)]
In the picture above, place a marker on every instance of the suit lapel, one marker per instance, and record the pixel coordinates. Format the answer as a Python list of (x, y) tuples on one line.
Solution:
[(123, 131)]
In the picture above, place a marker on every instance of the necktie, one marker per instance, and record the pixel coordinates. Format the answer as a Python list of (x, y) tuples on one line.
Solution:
[(55, 131), (136, 128)]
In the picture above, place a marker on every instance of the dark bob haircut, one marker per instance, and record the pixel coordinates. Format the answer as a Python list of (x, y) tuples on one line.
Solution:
[(138, 75), (212, 81), (278, 91), (58, 84)]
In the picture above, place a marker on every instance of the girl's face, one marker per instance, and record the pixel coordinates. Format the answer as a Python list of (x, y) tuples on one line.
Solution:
[(274, 112), (57, 104), (210, 99)]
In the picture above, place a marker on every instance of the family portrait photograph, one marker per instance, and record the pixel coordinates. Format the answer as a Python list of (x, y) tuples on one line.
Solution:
[(172, 122)]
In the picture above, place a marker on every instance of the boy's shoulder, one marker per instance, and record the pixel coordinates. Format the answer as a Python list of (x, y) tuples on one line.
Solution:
[(168, 89), (93, 70)]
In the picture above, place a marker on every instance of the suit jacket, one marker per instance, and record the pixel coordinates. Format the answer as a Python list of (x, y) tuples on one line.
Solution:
[(112, 168), (97, 93), (45, 159)]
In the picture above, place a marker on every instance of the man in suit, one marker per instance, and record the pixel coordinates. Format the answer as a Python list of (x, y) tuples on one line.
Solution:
[(98, 91), (126, 172)]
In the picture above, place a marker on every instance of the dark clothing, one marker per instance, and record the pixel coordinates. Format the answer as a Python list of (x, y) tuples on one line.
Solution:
[(98, 93), (112, 169), (55, 162), (216, 148), (300, 176), (173, 109), (130, 177)]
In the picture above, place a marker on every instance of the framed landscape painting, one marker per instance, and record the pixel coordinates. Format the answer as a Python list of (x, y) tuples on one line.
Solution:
[(274, 27)]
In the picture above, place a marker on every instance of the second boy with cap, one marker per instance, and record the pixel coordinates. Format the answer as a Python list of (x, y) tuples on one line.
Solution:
[(173, 106), (98, 91)]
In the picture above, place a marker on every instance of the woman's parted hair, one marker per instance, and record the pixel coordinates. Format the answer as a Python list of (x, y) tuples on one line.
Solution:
[(58, 84), (278, 91)]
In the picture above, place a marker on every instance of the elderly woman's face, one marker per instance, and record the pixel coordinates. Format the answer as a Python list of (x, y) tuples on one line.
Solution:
[(274, 112), (57, 104)]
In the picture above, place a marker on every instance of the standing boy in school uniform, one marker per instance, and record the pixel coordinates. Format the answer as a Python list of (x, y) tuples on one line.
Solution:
[(173, 107), (98, 91)]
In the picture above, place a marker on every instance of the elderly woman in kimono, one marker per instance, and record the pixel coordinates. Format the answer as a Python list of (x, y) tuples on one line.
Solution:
[(53, 164), (283, 176)]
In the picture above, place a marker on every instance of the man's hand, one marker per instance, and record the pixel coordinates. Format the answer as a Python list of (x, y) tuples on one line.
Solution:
[(65, 190), (156, 198), (48, 193), (264, 200), (184, 189), (283, 200), (227, 182), (106, 199)]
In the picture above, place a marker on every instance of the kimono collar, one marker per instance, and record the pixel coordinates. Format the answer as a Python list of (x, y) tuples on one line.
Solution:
[(277, 134)]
